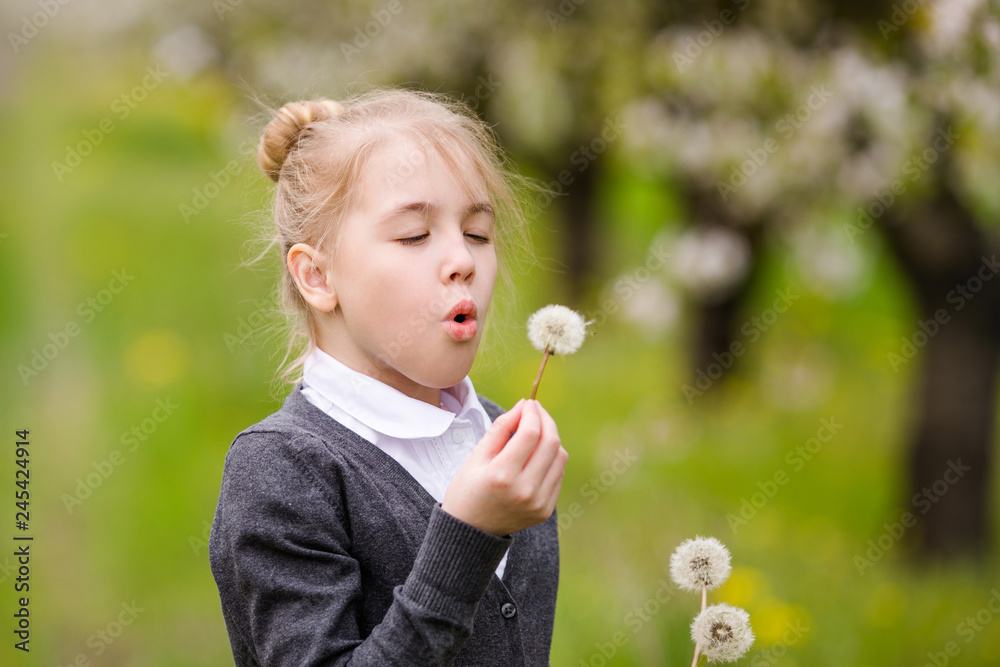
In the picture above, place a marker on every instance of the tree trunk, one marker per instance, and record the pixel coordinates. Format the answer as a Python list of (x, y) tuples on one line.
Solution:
[(950, 459), (717, 324), (951, 266), (578, 228), (717, 327)]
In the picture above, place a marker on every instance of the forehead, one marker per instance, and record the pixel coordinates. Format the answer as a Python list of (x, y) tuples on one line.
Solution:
[(403, 166)]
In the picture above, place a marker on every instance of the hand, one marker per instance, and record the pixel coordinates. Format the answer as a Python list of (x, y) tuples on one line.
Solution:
[(510, 482)]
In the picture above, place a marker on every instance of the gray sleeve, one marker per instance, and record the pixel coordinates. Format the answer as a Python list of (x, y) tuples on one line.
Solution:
[(291, 591)]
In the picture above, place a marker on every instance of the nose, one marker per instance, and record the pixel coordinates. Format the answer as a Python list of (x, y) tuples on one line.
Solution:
[(458, 263)]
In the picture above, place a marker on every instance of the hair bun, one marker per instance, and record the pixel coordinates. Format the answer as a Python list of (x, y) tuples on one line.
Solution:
[(282, 133)]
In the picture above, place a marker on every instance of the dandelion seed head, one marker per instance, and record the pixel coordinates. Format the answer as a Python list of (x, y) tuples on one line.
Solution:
[(723, 632), (558, 329), (701, 561)]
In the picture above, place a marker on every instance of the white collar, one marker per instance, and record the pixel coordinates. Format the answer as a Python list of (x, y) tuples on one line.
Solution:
[(385, 409)]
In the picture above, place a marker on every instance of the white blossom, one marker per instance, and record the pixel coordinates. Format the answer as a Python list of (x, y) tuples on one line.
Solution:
[(710, 261), (950, 24), (653, 307)]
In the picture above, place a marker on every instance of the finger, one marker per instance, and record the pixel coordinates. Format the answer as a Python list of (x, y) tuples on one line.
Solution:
[(552, 483), (517, 451), (501, 430), (545, 451)]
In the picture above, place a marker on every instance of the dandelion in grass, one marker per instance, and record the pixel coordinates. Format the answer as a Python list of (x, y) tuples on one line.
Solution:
[(701, 562), (555, 329), (723, 632)]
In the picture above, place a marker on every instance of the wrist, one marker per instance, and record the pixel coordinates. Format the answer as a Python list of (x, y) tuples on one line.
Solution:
[(470, 521), (454, 566)]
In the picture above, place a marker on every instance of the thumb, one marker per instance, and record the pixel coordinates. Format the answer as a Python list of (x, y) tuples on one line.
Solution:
[(500, 432)]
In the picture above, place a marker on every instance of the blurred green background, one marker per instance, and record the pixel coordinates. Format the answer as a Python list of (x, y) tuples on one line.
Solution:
[(131, 416)]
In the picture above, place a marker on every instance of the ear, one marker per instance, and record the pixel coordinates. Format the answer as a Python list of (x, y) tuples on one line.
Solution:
[(310, 271)]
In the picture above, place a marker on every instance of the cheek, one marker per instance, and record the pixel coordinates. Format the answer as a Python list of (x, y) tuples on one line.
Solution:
[(373, 271), (368, 289), (488, 272), (405, 301)]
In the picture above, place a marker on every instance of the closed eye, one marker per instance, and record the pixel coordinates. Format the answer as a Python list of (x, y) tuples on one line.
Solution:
[(413, 240)]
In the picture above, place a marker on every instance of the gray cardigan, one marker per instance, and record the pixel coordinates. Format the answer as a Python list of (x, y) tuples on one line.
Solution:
[(327, 551)]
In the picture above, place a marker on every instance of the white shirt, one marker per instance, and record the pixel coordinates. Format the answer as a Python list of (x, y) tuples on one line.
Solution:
[(430, 443)]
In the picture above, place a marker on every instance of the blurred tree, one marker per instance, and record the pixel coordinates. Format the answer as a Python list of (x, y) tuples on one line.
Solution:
[(890, 117)]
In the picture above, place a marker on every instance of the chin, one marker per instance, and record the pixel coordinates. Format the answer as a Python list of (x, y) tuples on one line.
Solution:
[(446, 368), (440, 381), (442, 378)]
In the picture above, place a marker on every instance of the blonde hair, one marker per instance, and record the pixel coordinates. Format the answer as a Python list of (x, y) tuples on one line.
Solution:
[(316, 152)]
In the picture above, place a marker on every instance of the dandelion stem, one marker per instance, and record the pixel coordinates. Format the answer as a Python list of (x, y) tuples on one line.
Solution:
[(538, 379), (704, 601)]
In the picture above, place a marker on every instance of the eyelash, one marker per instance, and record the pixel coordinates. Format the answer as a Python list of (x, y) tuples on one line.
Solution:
[(414, 240)]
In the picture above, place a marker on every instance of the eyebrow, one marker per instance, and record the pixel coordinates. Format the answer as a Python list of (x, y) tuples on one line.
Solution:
[(425, 207)]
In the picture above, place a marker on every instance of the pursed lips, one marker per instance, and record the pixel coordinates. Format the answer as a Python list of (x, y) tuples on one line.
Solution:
[(460, 322)]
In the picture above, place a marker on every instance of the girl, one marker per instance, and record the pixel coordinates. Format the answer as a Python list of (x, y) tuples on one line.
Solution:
[(386, 514)]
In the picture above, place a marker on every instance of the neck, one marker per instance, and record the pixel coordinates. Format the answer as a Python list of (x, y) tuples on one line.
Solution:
[(429, 395), (399, 382)]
